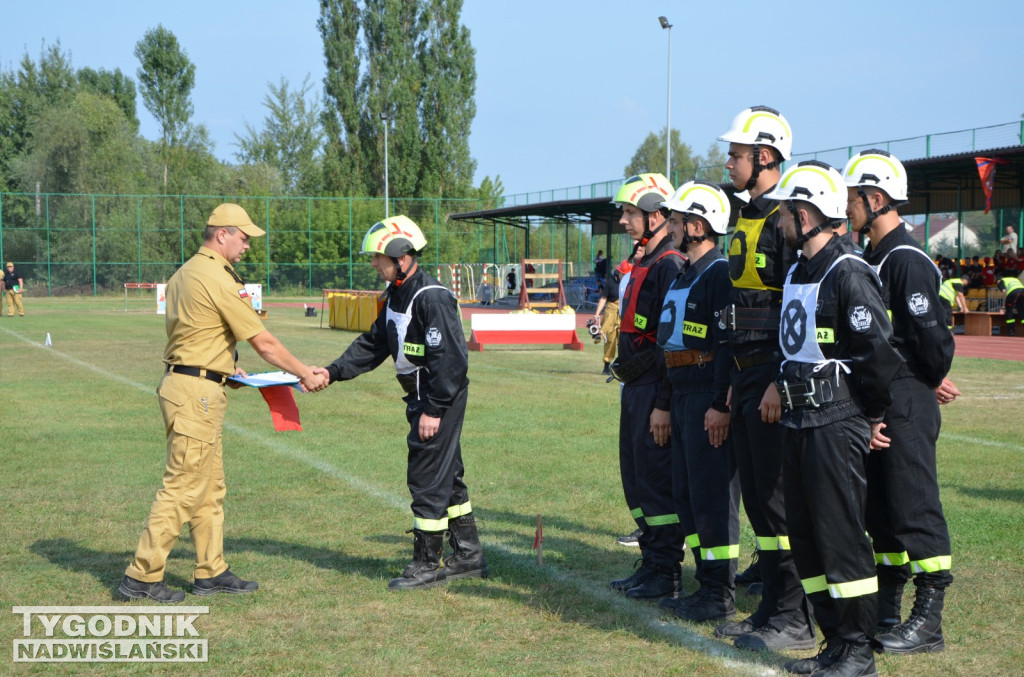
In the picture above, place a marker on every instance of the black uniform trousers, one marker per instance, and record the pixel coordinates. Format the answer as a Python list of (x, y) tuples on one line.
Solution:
[(757, 447), (1013, 307), (904, 513), (704, 482), (435, 469), (646, 470), (826, 492)]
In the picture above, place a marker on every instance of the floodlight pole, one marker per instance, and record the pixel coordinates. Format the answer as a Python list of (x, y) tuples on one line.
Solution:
[(668, 106), (386, 118)]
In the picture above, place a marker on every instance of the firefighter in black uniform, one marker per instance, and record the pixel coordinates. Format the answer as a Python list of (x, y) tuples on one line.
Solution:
[(645, 456), (838, 363), (905, 518), (420, 328), (698, 358), (1013, 306), (759, 140)]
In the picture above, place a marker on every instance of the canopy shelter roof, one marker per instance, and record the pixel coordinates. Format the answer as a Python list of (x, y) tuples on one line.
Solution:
[(946, 183), (950, 183)]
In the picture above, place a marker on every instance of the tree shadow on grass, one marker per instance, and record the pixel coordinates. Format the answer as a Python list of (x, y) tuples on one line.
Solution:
[(108, 567)]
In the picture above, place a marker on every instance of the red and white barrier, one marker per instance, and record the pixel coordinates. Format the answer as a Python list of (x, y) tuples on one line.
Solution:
[(523, 328)]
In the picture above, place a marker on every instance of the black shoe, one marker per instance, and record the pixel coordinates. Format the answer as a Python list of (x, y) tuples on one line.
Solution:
[(225, 582), (644, 569), (708, 604), (850, 660), (756, 589), (632, 540), (828, 653), (752, 574), (664, 580), (467, 558), (607, 371), (795, 634), (427, 568), (136, 589), (736, 629)]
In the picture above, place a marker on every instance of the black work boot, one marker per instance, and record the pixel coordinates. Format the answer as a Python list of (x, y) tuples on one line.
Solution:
[(828, 654), (225, 582), (158, 591), (644, 568), (426, 569), (665, 580), (891, 581), (850, 660), (922, 632), (710, 603), (779, 633), (467, 558)]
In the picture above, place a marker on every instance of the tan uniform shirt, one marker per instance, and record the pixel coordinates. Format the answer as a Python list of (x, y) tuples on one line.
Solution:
[(208, 312)]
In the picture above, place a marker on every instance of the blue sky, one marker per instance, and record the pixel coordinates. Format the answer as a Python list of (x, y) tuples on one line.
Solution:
[(567, 89)]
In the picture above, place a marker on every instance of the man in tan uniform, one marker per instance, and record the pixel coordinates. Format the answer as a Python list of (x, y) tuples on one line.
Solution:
[(208, 312)]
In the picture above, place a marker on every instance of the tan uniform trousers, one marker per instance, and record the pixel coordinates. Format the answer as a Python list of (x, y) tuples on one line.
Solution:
[(12, 300), (610, 328), (193, 489)]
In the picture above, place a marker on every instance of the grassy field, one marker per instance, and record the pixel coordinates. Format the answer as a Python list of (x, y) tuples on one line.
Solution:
[(318, 516)]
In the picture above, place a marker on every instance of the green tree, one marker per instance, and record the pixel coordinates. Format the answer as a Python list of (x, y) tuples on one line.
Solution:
[(711, 165), (448, 63), (115, 85), (339, 30), (412, 62), (290, 139), (24, 95), (166, 78), (490, 192), (650, 157)]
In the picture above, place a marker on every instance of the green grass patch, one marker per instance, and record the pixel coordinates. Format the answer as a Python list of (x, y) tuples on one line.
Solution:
[(318, 517)]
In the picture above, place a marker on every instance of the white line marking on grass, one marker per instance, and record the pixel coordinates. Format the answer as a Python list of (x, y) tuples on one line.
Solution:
[(981, 442), (639, 612)]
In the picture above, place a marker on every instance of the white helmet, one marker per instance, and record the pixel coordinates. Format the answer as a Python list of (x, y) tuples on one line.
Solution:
[(761, 126), (878, 169), (702, 199), (815, 182)]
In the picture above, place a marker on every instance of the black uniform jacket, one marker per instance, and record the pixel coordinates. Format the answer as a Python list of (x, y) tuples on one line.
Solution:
[(435, 333), (911, 292), (662, 272), (778, 257), (846, 298)]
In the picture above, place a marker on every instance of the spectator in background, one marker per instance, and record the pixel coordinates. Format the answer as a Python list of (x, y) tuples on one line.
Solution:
[(13, 284), (607, 313), (600, 266), (1009, 241)]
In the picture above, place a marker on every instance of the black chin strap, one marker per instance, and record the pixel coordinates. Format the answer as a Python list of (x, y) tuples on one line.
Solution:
[(648, 234), (804, 237), (690, 239), (871, 215), (400, 275), (758, 167)]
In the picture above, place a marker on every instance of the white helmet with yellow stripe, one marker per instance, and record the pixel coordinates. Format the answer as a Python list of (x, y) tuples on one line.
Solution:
[(394, 237)]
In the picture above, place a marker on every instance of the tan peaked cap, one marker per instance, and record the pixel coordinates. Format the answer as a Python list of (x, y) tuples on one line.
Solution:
[(231, 215)]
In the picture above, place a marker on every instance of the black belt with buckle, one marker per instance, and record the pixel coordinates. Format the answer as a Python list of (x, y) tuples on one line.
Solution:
[(736, 318), (198, 373), (755, 359), (813, 392)]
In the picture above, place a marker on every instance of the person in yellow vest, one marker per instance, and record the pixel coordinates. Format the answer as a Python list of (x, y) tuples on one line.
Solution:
[(952, 292), (1013, 307), (208, 313), (760, 139)]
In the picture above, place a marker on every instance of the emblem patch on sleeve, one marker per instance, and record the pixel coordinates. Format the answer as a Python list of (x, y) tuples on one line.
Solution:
[(433, 337), (860, 319), (242, 293), (917, 304)]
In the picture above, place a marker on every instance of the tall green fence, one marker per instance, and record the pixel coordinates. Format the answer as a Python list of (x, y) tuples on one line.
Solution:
[(92, 244)]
